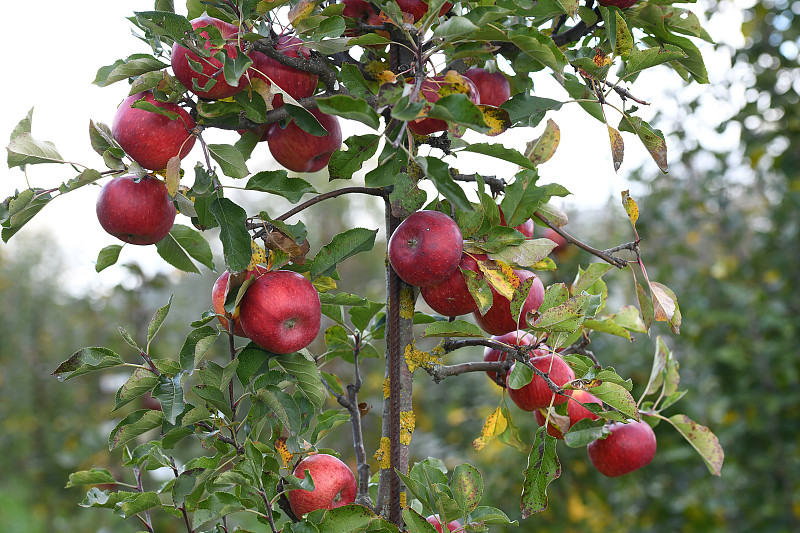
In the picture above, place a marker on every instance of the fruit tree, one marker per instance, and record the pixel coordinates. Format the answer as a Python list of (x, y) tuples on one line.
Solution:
[(417, 86)]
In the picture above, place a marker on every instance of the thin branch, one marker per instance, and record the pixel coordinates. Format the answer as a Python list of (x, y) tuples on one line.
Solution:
[(624, 93), (315, 65), (496, 185), (146, 520), (227, 440), (608, 258), (372, 191), (577, 31)]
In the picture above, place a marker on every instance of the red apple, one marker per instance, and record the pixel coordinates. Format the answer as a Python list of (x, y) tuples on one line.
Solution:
[(451, 297), (136, 210), (426, 248), (298, 83), (513, 338), (537, 394), (627, 448), (149, 138), (356, 9), (434, 521), (334, 485), (498, 319), (526, 228), (561, 242), (492, 86), (622, 4), (575, 412), (552, 429), (280, 311), (430, 92), (301, 151), (418, 8), (198, 82), (218, 295)]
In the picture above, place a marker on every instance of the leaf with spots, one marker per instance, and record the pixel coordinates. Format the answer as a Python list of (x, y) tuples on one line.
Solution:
[(543, 468), (466, 484), (702, 439)]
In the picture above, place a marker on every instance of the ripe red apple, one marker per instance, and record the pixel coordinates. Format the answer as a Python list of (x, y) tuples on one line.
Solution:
[(434, 521), (498, 319), (280, 311), (198, 82), (451, 297), (622, 4), (627, 448), (334, 485), (356, 8), (514, 338), (430, 92), (136, 210), (492, 86), (149, 138), (537, 394), (298, 83), (426, 248), (575, 412), (300, 151), (218, 296), (526, 228), (418, 8)]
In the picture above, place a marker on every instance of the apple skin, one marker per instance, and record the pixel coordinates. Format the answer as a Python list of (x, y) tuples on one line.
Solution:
[(418, 8), (536, 394), (212, 67), (526, 228), (356, 9), (280, 311), (334, 485), (434, 521), (513, 338), (575, 411), (136, 210), (298, 150), (451, 297), (426, 248), (430, 92), (629, 447), (492, 86), (498, 319), (151, 139), (622, 4), (298, 83), (218, 295)]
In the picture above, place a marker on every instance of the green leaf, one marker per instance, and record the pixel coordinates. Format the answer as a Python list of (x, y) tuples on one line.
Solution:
[(543, 467), (587, 278), (519, 376), (458, 109), (184, 485), (527, 254), (142, 380), (584, 432), (282, 406), (500, 152), (234, 68), (87, 360), (406, 197), (107, 257), (122, 69), (341, 247), (569, 316), (344, 163), (658, 371), (527, 110), (169, 392), (702, 439), (214, 507), (652, 139), (17, 210), (233, 233), (278, 182), (416, 523), (466, 484), (230, 160), (136, 504), (104, 499), (350, 518), (95, 476), (165, 23), (521, 198), (352, 78), (213, 396), (623, 42), (307, 374), (640, 60), (491, 516), (539, 47), (456, 328), (439, 173), (133, 425), (616, 396), (454, 27), (193, 243), (24, 149), (197, 343), (351, 108), (305, 120), (361, 316), (158, 319), (645, 306)]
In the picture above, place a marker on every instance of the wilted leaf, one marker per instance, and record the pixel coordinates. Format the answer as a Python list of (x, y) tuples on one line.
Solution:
[(702, 439), (543, 468), (617, 147), (665, 306), (542, 149)]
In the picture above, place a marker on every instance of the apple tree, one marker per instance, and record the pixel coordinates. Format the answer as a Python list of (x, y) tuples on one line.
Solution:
[(426, 84)]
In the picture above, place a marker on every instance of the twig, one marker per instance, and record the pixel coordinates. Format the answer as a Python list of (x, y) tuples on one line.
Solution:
[(372, 191), (146, 520), (227, 440), (624, 93), (315, 65), (608, 258), (496, 185)]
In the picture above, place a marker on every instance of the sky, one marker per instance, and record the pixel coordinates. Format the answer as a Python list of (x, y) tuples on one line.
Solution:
[(60, 46)]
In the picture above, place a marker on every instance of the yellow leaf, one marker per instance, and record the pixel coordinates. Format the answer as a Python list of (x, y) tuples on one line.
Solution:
[(301, 10), (617, 147), (496, 118), (500, 276), (543, 148), (173, 175), (630, 207), (283, 451), (258, 257), (453, 84), (324, 284), (495, 425)]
